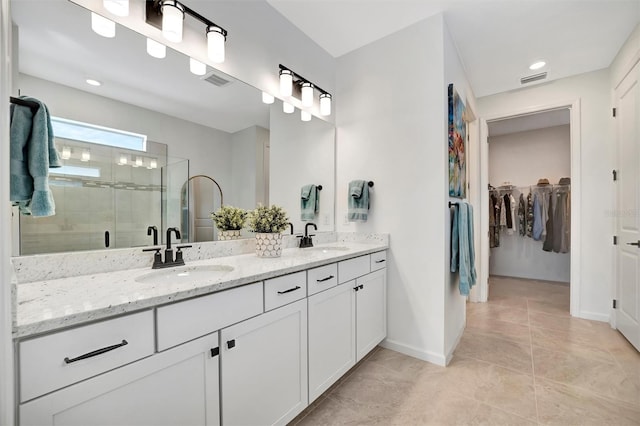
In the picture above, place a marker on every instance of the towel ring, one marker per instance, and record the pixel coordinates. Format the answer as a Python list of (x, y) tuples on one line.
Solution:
[(319, 187), (370, 183)]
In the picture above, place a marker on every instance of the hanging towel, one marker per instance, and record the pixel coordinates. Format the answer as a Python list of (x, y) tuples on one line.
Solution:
[(462, 253), (309, 202), (32, 153), (358, 201)]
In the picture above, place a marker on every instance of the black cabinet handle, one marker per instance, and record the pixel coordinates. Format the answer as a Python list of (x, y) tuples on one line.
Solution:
[(356, 288), (634, 244), (361, 286), (380, 261), (231, 344), (215, 352), (290, 290), (68, 360), (106, 238), (325, 279)]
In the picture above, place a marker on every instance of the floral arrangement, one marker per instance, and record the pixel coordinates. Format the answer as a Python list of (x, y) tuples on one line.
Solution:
[(268, 219), (229, 218)]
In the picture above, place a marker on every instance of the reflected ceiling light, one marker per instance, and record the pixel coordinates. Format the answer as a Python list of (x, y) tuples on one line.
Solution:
[(66, 153), (172, 17), (197, 67), (267, 98), (307, 94), (123, 160), (216, 37), (155, 49), (117, 7), (139, 162), (325, 104), (537, 65), (93, 82), (286, 82), (305, 116), (153, 164), (103, 26), (86, 155), (287, 107)]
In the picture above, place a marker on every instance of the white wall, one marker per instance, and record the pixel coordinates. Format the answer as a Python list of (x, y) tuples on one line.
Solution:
[(243, 163), (597, 153), (628, 55), (522, 158)]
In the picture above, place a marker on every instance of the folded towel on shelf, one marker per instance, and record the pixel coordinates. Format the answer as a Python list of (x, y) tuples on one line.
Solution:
[(462, 253), (358, 200), (309, 202), (32, 153)]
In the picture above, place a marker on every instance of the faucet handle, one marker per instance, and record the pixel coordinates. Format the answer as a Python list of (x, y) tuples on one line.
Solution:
[(184, 246), (156, 249)]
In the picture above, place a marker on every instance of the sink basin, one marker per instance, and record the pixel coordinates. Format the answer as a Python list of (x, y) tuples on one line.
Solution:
[(184, 274), (327, 248)]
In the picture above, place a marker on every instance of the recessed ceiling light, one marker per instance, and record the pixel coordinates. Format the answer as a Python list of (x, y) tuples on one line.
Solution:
[(93, 82), (537, 65)]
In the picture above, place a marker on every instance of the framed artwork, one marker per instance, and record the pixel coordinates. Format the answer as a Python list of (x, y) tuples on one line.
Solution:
[(457, 146)]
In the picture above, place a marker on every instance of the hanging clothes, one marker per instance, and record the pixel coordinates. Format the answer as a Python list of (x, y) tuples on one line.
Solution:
[(529, 214), (522, 216), (495, 214), (503, 214), (562, 220), (514, 219), (549, 225)]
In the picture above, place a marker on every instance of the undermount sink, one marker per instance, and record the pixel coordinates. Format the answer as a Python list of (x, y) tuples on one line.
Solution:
[(328, 248), (185, 274)]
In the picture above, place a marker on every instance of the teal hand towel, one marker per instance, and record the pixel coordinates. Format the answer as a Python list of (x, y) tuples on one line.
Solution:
[(309, 202), (358, 200), (462, 252), (32, 153)]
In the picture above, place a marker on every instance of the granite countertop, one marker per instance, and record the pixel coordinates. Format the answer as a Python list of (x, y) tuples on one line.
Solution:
[(48, 305)]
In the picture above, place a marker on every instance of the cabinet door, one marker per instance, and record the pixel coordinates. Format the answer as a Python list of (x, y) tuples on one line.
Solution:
[(332, 337), (264, 367), (371, 311), (176, 387)]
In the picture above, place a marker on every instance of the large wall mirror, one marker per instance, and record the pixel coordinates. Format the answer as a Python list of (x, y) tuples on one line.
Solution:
[(254, 152)]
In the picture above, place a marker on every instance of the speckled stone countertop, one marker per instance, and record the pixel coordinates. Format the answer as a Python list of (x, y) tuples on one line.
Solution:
[(48, 305)]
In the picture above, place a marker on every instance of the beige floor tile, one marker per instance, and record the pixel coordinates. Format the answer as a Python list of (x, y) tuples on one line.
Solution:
[(500, 313), (487, 326), (502, 352), (555, 307), (555, 322), (571, 342)]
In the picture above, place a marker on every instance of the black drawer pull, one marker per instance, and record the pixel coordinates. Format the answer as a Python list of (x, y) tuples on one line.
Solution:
[(96, 352), (380, 261), (290, 290), (325, 279), (231, 344), (215, 352)]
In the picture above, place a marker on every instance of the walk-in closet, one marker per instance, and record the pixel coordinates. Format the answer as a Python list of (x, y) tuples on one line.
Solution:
[(530, 197)]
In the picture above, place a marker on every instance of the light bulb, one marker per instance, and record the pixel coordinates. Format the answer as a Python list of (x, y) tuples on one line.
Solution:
[(172, 16), (153, 164), (86, 155), (287, 107), (305, 116), (307, 95), (117, 7), (155, 49), (138, 162), (123, 160), (215, 43), (286, 83), (197, 67), (325, 104), (267, 98), (66, 153), (103, 26)]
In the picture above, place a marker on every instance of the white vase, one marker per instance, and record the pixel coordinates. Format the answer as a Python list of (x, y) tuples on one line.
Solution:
[(268, 244), (231, 234)]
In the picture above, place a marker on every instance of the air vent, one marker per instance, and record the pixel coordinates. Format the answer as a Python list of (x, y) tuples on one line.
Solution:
[(533, 77), (216, 79)]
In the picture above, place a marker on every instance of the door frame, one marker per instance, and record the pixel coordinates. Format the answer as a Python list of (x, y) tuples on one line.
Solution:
[(575, 138)]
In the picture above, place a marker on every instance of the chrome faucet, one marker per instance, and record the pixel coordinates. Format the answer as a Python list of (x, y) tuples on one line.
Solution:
[(306, 241), (169, 261)]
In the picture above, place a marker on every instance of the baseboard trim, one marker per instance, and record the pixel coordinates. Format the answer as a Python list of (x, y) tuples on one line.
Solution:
[(455, 345), (594, 316), (432, 357)]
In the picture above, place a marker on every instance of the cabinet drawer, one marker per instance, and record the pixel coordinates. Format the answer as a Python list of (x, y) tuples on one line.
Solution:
[(56, 360), (283, 290), (188, 320), (353, 268), (322, 278), (378, 260)]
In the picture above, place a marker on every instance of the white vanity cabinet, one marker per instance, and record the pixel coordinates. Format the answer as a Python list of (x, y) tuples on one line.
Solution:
[(263, 364), (371, 311)]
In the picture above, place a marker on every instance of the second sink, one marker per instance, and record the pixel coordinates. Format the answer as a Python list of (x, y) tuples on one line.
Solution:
[(182, 274)]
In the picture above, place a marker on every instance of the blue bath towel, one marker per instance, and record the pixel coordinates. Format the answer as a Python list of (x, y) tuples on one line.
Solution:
[(358, 203), (309, 202), (32, 153), (462, 252)]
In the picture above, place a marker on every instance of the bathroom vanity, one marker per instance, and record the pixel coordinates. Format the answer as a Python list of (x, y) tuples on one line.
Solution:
[(233, 340)]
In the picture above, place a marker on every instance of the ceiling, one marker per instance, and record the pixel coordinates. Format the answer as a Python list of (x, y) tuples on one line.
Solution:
[(497, 39), (523, 123)]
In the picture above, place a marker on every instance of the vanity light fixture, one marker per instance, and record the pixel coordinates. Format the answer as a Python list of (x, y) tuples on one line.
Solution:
[(138, 162), (287, 107), (155, 49), (305, 116), (85, 156), (307, 94), (123, 160), (103, 26), (117, 7), (293, 84), (66, 153), (197, 67), (286, 82), (267, 98), (153, 164), (168, 16), (325, 104)]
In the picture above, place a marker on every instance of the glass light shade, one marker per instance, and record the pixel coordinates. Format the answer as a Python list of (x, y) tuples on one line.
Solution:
[(155, 49), (153, 164), (139, 162), (325, 104), (287, 107), (197, 67), (215, 44), (103, 26), (307, 95), (86, 155), (172, 17), (117, 7), (66, 153), (286, 83), (267, 98), (305, 116), (123, 160)]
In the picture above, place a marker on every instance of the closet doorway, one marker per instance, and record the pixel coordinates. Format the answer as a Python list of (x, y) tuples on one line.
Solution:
[(527, 168)]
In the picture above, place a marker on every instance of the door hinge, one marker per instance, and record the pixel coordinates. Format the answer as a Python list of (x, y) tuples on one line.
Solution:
[(614, 112), (215, 352), (615, 175), (615, 303), (615, 240)]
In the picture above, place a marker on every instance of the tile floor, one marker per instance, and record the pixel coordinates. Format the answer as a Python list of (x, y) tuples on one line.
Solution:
[(522, 360)]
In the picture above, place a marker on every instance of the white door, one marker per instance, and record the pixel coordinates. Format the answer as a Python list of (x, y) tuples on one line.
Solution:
[(263, 368), (371, 311), (628, 206)]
